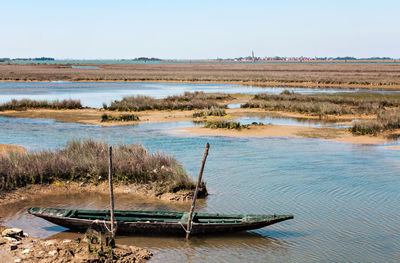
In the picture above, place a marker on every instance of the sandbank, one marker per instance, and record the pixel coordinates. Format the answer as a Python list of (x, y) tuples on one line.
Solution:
[(335, 134)]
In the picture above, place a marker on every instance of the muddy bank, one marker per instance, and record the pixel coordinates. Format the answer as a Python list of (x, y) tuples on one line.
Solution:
[(144, 191), (17, 246), (335, 134)]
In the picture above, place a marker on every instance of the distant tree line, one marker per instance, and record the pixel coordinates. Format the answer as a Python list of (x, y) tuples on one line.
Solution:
[(33, 59), (142, 59)]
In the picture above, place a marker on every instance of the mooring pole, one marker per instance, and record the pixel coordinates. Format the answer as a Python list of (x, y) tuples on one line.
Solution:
[(189, 224), (111, 192)]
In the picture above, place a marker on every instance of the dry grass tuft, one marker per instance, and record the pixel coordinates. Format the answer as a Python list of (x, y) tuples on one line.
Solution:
[(386, 120), (88, 162), (324, 104), (213, 111)]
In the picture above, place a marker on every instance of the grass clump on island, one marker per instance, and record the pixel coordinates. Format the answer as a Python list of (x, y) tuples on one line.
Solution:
[(213, 111), (187, 101), (122, 117), (324, 104), (25, 104), (87, 162), (385, 120), (386, 108), (232, 125)]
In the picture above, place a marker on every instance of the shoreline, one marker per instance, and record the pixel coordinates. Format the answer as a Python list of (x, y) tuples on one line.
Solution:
[(140, 190), (266, 84), (334, 134), (4, 148), (18, 246), (93, 117)]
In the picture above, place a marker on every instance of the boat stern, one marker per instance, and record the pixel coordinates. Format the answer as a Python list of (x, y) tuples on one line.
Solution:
[(45, 212)]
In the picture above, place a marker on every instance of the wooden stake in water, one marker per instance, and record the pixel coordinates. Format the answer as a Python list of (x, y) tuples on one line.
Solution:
[(111, 192), (189, 224)]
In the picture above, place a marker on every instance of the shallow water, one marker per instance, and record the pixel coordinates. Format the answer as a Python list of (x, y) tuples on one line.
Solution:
[(291, 122), (344, 197), (94, 94)]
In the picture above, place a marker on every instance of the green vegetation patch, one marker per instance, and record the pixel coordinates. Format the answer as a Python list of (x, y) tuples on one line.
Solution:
[(325, 104), (87, 161), (187, 101), (25, 104), (213, 111), (223, 124), (122, 117)]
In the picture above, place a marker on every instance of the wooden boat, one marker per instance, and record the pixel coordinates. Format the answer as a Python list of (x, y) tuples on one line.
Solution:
[(160, 222)]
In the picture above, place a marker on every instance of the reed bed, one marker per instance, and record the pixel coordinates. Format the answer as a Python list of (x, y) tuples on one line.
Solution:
[(385, 120), (122, 117), (25, 104), (187, 101), (87, 161), (324, 104), (213, 111)]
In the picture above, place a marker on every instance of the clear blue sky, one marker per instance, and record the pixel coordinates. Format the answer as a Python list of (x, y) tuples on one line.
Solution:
[(198, 29)]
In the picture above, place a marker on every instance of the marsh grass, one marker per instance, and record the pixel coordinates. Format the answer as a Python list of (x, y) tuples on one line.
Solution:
[(223, 124), (87, 161), (187, 101), (25, 104), (122, 117), (323, 74), (385, 120), (324, 104), (213, 111)]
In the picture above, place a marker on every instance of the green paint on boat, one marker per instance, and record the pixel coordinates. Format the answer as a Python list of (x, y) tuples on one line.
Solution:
[(151, 222)]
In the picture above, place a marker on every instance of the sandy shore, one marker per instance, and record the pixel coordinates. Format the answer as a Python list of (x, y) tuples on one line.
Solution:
[(93, 116), (7, 148), (287, 131), (394, 147)]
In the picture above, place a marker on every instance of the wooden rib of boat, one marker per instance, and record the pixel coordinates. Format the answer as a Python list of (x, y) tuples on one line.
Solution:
[(129, 222)]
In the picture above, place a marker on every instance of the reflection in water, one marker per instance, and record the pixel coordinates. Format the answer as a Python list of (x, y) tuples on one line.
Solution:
[(344, 197)]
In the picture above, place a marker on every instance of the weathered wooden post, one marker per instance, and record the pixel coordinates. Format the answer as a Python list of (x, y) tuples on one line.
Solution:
[(189, 224), (111, 192)]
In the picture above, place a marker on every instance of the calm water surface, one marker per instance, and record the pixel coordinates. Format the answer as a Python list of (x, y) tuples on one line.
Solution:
[(93, 94), (344, 196)]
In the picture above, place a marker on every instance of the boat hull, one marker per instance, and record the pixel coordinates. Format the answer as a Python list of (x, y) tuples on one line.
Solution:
[(177, 227)]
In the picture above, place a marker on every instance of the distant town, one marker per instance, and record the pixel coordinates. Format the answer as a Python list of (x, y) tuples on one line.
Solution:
[(238, 59)]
